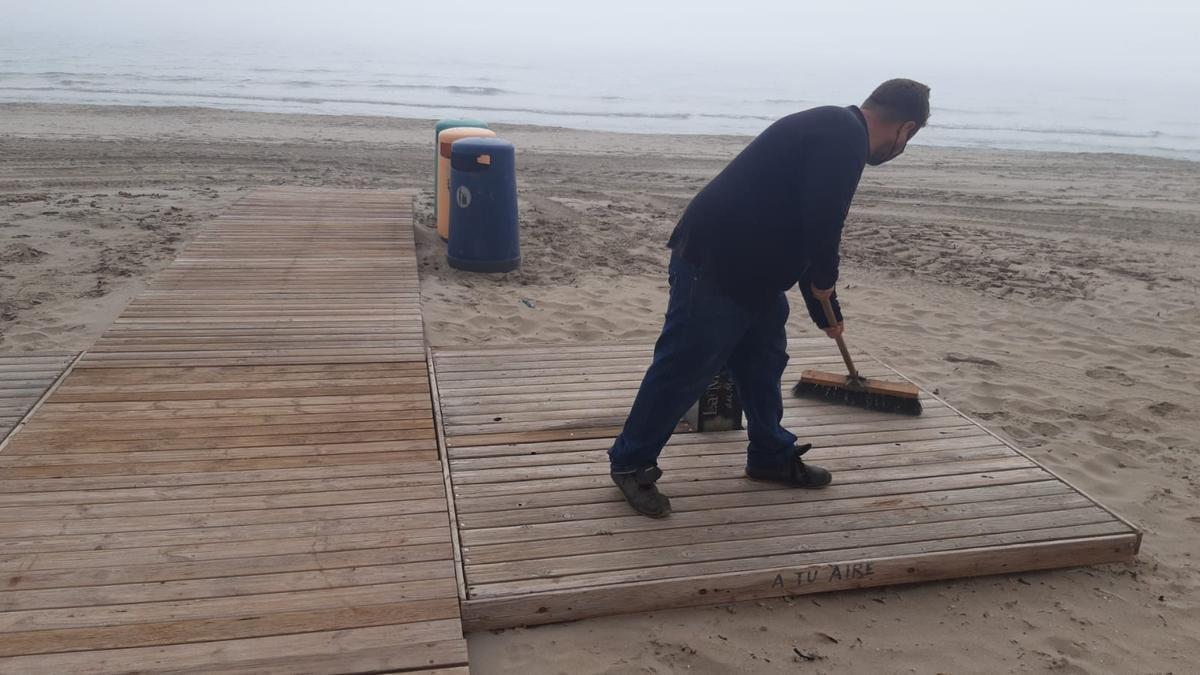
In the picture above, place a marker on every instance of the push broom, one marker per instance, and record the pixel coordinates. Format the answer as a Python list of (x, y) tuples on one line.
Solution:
[(854, 389)]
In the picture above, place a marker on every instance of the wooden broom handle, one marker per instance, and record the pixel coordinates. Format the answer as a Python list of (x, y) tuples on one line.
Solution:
[(832, 319)]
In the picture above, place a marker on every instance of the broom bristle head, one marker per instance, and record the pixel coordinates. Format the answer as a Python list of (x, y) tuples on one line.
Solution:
[(857, 397)]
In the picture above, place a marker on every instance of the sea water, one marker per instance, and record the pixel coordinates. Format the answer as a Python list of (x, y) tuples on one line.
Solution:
[(599, 91)]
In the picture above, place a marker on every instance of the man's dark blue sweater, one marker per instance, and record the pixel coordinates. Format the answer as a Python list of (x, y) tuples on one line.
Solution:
[(774, 216)]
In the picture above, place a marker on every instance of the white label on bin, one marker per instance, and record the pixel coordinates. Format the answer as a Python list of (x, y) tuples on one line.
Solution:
[(463, 196)]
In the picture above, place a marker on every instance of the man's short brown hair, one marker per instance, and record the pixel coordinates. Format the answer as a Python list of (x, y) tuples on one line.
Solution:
[(901, 100)]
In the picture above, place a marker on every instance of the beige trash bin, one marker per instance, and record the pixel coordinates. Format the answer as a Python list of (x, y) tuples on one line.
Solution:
[(445, 140)]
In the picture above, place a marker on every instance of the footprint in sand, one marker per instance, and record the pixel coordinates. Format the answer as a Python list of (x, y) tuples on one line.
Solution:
[(1170, 351), (953, 357), (1047, 429), (1166, 409), (1111, 374), (21, 253)]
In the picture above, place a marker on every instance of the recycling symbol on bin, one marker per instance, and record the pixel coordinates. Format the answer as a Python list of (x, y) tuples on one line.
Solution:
[(463, 196)]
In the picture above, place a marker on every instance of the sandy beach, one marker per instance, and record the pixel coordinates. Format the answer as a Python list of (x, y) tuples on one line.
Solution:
[(1052, 296)]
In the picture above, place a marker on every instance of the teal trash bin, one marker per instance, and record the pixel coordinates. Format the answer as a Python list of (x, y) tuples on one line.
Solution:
[(484, 234), (438, 128)]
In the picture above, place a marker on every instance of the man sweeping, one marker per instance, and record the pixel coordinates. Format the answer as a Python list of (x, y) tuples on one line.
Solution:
[(770, 220)]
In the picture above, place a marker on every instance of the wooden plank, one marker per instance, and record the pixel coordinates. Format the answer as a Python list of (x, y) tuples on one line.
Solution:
[(179, 499), (91, 510), (240, 584), (255, 354), (215, 476), (561, 382), (613, 517), (213, 393), (829, 516), (246, 374), (590, 411), (735, 462), (28, 393), (459, 573), (225, 360), (561, 399), (237, 442), (690, 481), (700, 449), (34, 362), (61, 436), (400, 406), (796, 579), (512, 422), (432, 517), (29, 371), (534, 436), (136, 423), (214, 569), (246, 517), (403, 450), (848, 552), (634, 362), (194, 404), (407, 450), (734, 490), (201, 344), (394, 533), (374, 649), (293, 329), (714, 438), (204, 630)]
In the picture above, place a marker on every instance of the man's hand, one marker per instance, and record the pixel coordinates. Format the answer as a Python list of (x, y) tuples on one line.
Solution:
[(825, 294)]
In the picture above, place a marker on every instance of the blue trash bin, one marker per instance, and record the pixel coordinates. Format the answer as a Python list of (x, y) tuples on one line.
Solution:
[(484, 235), (438, 128)]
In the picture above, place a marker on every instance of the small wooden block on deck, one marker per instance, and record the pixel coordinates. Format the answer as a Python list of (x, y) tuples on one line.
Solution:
[(546, 537)]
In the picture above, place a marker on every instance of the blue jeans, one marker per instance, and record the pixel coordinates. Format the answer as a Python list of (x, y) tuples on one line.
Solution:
[(706, 329)]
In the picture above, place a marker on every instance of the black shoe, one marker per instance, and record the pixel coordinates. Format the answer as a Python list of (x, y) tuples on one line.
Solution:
[(641, 493), (793, 472)]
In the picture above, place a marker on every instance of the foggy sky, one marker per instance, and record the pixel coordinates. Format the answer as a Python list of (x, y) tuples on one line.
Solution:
[(1100, 40)]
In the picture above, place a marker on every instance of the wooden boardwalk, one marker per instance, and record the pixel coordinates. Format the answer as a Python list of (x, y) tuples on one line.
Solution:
[(242, 475), (546, 537), (24, 379)]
